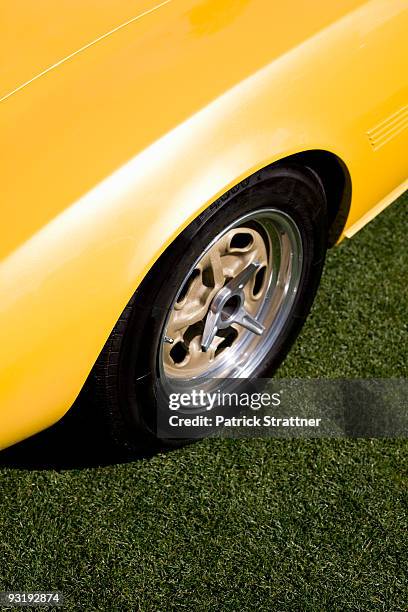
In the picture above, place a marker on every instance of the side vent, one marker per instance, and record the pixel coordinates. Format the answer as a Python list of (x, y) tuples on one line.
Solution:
[(388, 129)]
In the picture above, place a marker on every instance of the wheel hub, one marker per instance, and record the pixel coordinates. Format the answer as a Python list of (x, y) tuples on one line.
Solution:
[(228, 307)]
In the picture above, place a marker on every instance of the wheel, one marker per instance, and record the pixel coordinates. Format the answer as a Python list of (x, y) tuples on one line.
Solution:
[(226, 300)]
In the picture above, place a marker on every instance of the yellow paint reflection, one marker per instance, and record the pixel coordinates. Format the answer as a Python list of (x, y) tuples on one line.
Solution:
[(212, 15)]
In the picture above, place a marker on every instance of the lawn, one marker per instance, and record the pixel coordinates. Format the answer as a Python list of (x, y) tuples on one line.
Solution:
[(274, 525)]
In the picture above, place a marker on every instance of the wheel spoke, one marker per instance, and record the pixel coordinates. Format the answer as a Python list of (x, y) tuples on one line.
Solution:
[(213, 348), (239, 282), (210, 330), (246, 320), (216, 266)]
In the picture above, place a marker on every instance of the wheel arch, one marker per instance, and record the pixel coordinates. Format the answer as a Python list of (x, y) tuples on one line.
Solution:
[(336, 180)]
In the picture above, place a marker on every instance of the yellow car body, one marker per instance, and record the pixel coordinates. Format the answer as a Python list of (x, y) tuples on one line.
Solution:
[(121, 120)]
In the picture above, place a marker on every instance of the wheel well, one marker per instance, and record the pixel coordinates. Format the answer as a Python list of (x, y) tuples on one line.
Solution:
[(336, 181)]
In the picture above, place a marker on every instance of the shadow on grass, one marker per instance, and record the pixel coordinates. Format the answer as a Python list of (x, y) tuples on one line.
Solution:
[(79, 440)]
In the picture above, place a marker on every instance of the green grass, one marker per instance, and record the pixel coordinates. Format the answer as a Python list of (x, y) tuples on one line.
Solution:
[(302, 525)]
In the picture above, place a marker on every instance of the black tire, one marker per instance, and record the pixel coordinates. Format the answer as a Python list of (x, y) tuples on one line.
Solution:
[(125, 376)]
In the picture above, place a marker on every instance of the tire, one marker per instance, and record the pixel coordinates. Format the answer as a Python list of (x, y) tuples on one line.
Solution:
[(127, 376)]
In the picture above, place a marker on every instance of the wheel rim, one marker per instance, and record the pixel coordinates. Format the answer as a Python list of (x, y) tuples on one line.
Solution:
[(235, 300)]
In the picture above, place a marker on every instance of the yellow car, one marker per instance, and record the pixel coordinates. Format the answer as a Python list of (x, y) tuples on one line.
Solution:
[(172, 174)]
